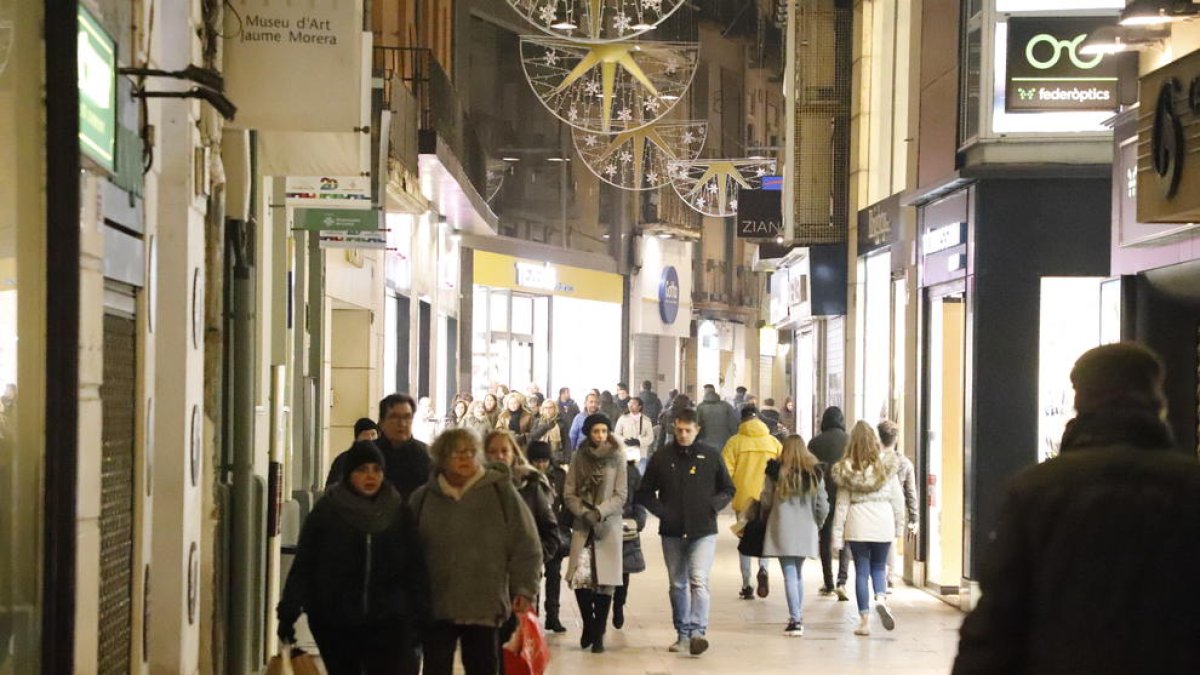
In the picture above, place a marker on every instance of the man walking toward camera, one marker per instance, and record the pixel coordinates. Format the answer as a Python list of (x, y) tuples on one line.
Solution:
[(685, 486)]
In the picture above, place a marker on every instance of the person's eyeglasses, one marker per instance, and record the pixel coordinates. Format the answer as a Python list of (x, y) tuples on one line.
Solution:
[(399, 418), (462, 452)]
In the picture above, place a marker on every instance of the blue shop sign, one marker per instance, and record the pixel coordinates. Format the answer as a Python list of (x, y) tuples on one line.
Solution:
[(668, 295)]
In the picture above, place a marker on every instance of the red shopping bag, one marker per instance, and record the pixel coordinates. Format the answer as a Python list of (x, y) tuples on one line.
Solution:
[(527, 652)]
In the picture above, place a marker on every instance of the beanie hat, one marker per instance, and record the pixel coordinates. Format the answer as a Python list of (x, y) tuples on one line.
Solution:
[(593, 420), (364, 424), (1121, 375), (538, 451), (362, 452)]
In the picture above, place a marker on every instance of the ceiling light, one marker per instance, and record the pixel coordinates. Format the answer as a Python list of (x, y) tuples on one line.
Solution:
[(669, 97), (643, 26), (565, 24), (779, 240), (606, 236), (1156, 12), (557, 159), (664, 235)]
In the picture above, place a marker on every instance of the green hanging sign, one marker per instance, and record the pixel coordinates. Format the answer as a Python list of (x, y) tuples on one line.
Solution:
[(337, 219), (97, 79)]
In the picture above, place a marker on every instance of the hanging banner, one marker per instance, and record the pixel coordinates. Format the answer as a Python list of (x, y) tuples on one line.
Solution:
[(337, 219), (97, 91), (376, 239), (295, 66)]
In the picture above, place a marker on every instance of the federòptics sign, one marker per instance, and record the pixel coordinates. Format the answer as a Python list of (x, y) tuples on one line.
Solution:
[(1047, 70)]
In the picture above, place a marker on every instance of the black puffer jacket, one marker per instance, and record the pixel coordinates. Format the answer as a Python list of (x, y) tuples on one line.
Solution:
[(634, 560), (357, 563), (718, 420), (1072, 581), (830, 446), (558, 482), (686, 488), (534, 488)]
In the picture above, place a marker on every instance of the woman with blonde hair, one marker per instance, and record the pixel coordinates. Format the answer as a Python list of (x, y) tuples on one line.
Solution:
[(794, 497), (869, 516), (516, 418), (549, 427)]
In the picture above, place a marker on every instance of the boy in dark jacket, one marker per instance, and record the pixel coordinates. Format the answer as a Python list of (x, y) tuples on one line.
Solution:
[(685, 486), (829, 446), (540, 456), (359, 574)]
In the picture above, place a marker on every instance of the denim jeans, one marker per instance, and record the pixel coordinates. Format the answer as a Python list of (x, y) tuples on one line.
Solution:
[(793, 586), (746, 564), (870, 561), (689, 562)]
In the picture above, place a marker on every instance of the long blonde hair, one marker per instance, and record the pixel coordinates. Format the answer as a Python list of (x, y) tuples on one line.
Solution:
[(864, 449), (518, 459), (798, 473)]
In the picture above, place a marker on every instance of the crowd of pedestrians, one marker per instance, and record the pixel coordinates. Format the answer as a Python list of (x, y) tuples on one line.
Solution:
[(417, 552)]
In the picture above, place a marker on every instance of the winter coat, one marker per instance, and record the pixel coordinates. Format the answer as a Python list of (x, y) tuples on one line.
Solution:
[(830, 446), (640, 429), (406, 466), (718, 420), (575, 435), (524, 425), (359, 563), (685, 488), (633, 559), (773, 420), (651, 404), (558, 482), (793, 525), (480, 425), (555, 432), (481, 549), (534, 488), (611, 410), (746, 456), (568, 411), (1071, 580), (908, 483), (870, 505), (597, 480)]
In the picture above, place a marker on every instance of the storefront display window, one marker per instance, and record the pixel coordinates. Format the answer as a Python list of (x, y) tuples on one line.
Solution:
[(874, 337), (1072, 322)]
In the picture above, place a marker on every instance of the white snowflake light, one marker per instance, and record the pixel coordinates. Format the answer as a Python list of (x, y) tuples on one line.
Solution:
[(641, 157), (595, 21), (547, 13), (712, 186)]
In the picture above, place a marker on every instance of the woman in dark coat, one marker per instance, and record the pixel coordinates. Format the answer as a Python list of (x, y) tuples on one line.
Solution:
[(632, 557), (359, 574), (501, 447), (515, 418)]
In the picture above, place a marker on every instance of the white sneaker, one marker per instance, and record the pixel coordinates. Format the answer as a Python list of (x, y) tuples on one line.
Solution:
[(885, 614), (864, 625), (681, 645)]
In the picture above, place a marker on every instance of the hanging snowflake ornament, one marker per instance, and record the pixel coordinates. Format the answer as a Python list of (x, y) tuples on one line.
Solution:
[(609, 84), (595, 21), (712, 186), (551, 58), (642, 156)]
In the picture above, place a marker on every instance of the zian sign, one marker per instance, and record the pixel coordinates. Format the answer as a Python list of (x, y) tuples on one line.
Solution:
[(1048, 72), (760, 214)]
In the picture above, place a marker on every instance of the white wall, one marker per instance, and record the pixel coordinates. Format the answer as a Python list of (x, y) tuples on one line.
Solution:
[(587, 345)]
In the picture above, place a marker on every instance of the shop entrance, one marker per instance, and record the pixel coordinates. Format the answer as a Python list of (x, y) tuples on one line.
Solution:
[(943, 437), (516, 346)]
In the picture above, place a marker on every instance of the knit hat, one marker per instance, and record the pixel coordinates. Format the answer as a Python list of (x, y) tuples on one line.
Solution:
[(538, 451), (363, 452), (593, 420), (364, 424), (1115, 376)]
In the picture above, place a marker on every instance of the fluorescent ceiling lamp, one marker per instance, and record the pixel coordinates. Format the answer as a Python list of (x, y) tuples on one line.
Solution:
[(557, 159), (643, 26), (565, 24), (510, 159), (669, 97), (664, 235), (1157, 12)]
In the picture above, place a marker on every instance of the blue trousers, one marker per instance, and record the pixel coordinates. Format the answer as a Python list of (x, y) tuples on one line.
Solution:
[(870, 562)]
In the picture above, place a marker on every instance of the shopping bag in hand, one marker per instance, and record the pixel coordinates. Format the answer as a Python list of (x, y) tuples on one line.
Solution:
[(527, 652), (292, 661)]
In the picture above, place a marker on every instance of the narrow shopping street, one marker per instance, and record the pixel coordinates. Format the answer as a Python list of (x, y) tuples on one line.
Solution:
[(747, 636)]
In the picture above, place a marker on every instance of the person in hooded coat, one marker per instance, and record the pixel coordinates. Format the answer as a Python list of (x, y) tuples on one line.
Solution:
[(1069, 579), (746, 455), (595, 492), (718, 420), (359, 574), (868, 518), (830, 446)]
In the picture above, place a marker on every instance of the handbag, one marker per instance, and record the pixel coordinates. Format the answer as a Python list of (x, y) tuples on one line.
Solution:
[(629, 529), (585, 568), (754, 535), (527, 652), (292, 661)]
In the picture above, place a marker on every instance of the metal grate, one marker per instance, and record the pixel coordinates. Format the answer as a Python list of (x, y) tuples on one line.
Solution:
[(823, 77), (118, 396)]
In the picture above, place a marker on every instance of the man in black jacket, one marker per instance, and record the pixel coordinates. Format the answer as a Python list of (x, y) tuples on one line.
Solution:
[(654, 406), (829, 446), (408, 462), (685, 486), (1068, 580)]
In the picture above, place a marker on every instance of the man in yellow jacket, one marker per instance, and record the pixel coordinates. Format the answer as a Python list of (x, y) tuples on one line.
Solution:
[(746, 455)]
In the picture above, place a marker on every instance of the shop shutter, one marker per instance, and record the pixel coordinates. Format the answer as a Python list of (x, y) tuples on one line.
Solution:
[(118, 396), (645, 362)]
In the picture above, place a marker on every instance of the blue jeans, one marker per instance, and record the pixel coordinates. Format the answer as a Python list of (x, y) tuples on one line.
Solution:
[(689, 562), (747, 562), (870, 561), (793, 586)]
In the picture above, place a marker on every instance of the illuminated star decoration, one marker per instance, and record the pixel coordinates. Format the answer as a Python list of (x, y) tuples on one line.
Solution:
[(595, 21), (610, 85), (496, 172), (712, 186), (641, 157)]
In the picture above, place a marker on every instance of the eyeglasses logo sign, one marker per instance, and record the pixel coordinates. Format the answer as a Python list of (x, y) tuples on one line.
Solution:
[(1059, 46), (1166, 139)]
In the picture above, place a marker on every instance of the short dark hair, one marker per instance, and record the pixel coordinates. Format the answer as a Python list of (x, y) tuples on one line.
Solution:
[(622, 385), (889, 431), (639, 400), (647, 385), (687, 416), (564, 390), (392, 400), (710, 387), (740, 390), (749, 412), (769, 401)]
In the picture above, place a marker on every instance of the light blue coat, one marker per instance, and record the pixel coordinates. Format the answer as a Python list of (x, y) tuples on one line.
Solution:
[(793, 526)]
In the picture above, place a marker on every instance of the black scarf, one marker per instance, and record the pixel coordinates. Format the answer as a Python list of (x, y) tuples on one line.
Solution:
[(369, 515), (1128, 426), (514, 421)]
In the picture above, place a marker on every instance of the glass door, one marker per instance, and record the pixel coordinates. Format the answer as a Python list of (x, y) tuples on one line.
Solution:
[(944, 457)]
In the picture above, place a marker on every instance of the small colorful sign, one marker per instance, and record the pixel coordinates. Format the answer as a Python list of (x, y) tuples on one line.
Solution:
[(376, 239), (97, 79)]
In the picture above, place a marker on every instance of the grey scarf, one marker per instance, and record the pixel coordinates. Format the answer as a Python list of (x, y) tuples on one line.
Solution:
[(369, 515)]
